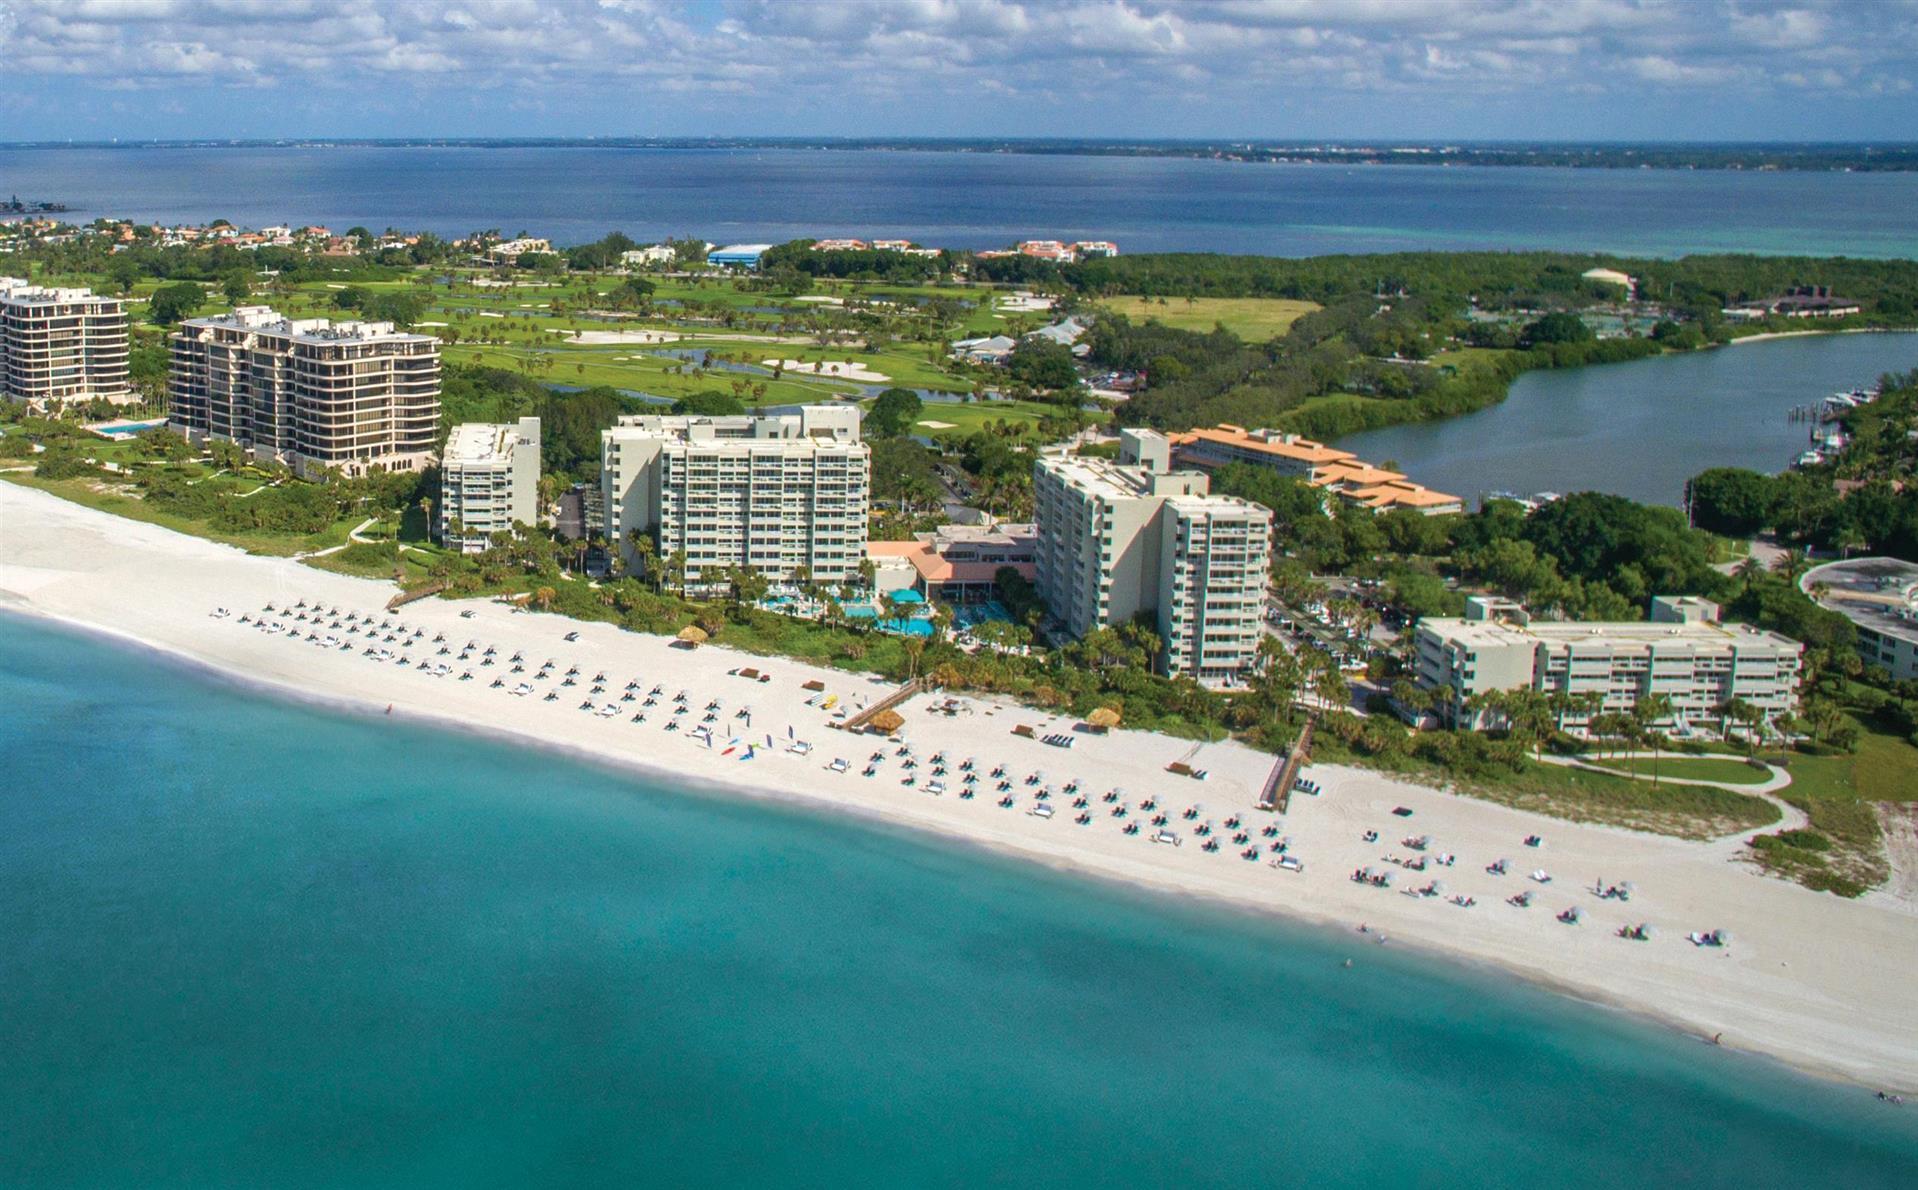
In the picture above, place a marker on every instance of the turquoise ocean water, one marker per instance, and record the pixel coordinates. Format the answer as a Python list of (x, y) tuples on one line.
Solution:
[(255, 943)]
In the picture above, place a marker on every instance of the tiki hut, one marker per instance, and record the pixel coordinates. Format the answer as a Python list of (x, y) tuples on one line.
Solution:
[(1103, 719), (692, 636), (886, 722)]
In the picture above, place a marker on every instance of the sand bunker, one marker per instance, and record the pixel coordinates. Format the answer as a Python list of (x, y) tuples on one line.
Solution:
[(842, 370)]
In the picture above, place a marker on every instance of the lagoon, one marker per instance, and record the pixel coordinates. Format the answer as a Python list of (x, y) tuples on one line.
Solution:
[(258, 943), (1639, 429)]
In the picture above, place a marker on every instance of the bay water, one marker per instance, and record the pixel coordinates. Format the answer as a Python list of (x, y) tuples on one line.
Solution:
[(253, 942), (979, 200), (1640, 429)]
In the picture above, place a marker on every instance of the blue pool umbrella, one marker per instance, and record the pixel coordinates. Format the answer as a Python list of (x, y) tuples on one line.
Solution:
[(908, 595)]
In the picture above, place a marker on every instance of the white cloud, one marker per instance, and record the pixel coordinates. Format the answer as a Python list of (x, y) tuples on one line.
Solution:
[(1232, 55)]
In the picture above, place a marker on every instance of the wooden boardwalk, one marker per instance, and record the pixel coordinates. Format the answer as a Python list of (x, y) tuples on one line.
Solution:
[(885, 704), (406, 597), (1277, 794)]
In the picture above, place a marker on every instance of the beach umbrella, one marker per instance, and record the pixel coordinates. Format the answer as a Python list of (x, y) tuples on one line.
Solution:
[(693, 634), (1104, 717), (888, 721)]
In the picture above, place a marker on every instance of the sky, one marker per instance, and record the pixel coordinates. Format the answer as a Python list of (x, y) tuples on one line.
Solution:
[(1275, 69)]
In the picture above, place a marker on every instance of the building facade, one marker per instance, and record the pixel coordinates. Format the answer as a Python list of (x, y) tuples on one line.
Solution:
[(61, 345), (1120, 540), (1682, 652), (955, 563), (489, 481), (314, 394), (786, 495), (1880, 597)]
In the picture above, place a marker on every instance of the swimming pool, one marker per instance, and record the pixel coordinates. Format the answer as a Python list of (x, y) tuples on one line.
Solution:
[(971, 615), (128, 429), (912, 626)]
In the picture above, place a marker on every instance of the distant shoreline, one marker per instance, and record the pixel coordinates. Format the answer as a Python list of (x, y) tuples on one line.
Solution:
[(1895, 157)]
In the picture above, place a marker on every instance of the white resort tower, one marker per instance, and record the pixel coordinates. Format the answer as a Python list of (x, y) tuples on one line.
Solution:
[(60, 345), (784, 495), (351, 396), (1120, 539), (489, 481)]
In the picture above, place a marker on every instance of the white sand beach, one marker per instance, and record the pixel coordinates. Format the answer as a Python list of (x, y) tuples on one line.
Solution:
[(1823, 983), (1768, 336)]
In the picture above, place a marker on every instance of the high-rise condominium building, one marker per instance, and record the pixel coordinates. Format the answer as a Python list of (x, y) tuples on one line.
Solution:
[(489, 480), (351, 396), (60, 345), (783, 495), (1682, 652), (1120, 539)]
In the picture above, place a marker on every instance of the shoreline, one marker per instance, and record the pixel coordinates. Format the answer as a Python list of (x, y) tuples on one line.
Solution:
[(624, 766), (1767, 336), (1832, 1015)]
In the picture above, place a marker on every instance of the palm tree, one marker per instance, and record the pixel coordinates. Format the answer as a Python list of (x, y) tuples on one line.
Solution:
[(1647, 711), (1485, 707), (645, 554), (1747, 716), (1528, 714), (1328, 685)]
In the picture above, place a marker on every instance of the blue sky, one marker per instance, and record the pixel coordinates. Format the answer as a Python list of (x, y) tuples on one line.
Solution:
[(1431, 69)]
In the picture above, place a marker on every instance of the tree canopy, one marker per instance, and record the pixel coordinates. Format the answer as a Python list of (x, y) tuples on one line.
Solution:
[(892, 413)]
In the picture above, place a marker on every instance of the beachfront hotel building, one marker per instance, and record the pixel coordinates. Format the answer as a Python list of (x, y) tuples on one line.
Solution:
[(349, 396), (1121, 539), (1682, 652), (489, 482), (784, 495), (1338, 472), (61, 345)]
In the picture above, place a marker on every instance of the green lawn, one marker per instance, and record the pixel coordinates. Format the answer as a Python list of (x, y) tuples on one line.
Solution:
[(1726, 770), (1253, 319), (528, 326), (1838, 794), (966, 418)]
